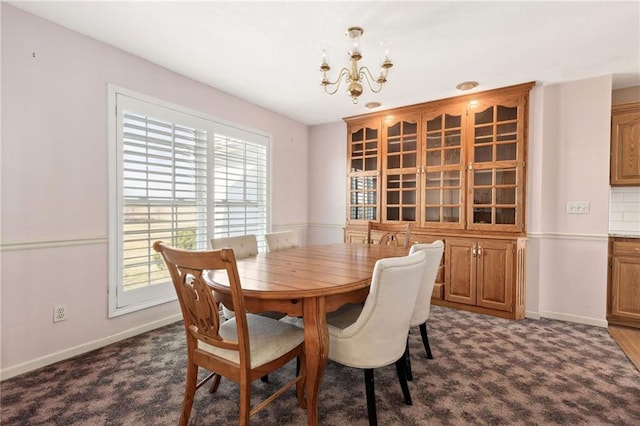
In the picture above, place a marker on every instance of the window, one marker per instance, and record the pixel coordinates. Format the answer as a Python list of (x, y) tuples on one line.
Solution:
[(180, 177), (239, 185)]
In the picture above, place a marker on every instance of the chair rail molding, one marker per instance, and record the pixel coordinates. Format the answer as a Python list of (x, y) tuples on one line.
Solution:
[(45, 244), (567, 236)]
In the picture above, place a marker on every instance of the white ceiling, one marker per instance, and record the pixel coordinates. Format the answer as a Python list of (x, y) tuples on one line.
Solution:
[(268, 52)]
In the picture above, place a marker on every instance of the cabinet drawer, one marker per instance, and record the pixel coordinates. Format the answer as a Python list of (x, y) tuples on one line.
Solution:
[(626, 248)]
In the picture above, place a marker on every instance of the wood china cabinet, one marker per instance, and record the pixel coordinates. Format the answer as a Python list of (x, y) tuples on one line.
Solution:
[(625, 145), (456, 169)]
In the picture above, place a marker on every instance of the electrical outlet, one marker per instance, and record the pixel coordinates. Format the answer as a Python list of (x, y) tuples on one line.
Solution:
[(59, 313)]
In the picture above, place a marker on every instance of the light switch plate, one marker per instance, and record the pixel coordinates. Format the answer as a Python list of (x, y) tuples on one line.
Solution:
[(578, 207)]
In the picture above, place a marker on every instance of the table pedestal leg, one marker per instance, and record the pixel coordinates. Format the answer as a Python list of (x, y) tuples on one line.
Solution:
[(316, 337)]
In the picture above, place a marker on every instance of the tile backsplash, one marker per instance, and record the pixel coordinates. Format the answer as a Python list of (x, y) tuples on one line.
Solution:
[(624, 211)]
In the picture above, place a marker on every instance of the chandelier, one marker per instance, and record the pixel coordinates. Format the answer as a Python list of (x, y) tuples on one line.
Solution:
[(355, 75)]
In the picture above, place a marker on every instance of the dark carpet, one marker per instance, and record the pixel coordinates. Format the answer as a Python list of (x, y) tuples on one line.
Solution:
[(485, 371)]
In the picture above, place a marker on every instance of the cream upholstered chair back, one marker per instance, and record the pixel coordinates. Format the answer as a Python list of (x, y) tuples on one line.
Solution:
[(243, 246), (376, 338), (281, 240), (423, 301)]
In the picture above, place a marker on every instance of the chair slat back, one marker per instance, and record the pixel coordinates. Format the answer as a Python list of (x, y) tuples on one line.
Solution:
[(200, 310), (389, 233)]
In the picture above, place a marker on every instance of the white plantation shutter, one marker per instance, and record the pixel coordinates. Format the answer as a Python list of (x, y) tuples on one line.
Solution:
[(180, 178), (240, 184)]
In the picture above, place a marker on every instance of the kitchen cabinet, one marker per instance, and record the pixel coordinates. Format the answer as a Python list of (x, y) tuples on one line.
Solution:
[(623, 290), (625, 145), (456, 169)]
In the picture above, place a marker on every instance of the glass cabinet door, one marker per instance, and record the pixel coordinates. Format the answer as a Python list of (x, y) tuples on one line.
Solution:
[(496, 169), (363, 149), (400, 196), (363, 180), (363, 198), (443, 177)]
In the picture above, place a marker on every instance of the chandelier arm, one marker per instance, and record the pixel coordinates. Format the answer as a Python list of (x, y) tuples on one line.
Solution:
[(343, 73), (365, 74)]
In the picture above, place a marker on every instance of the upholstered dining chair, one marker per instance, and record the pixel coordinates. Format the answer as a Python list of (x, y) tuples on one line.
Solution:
[(422, 307), (243, 246), (366, 336), (281, 240), (241, 349), (388, 233)]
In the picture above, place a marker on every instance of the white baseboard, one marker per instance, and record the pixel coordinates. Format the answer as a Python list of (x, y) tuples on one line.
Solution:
[(25, 367), (573, 318), (532, 315)]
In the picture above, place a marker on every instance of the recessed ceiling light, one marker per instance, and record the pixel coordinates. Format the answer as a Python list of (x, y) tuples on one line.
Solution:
[(372, 105), (467, 85)]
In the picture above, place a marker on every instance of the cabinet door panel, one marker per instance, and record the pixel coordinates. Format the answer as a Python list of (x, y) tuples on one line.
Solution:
[(400, 169), (355, 236), (460, 278), (443, 171), (625, 145), (363, 183), (363, 148), (495, 274), (626, 287), (496, 175)]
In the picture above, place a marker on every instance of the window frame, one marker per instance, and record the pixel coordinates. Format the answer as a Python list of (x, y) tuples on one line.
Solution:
[(119, 301)]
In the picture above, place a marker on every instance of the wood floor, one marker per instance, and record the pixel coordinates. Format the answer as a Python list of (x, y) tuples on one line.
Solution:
[(629, 341)]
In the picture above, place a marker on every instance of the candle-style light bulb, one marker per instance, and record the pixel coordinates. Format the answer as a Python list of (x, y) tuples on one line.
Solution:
[(324, 60)]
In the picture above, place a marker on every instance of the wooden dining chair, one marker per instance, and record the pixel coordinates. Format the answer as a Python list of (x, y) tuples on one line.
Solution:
[(281, 240), (422, 307), (366, 336), (389, 233), (241, 349)]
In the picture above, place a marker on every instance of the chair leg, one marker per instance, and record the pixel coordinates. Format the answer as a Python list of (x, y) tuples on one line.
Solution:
[(215, 384), (425, 339), (245, 401), (407, 362), (371, 396), (189, 392), (400, 368), (301, 368)]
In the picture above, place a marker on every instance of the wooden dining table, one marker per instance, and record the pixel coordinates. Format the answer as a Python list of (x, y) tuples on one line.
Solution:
[(308, 282)]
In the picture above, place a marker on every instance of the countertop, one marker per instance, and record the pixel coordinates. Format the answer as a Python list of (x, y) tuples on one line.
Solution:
[(624, 235)]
